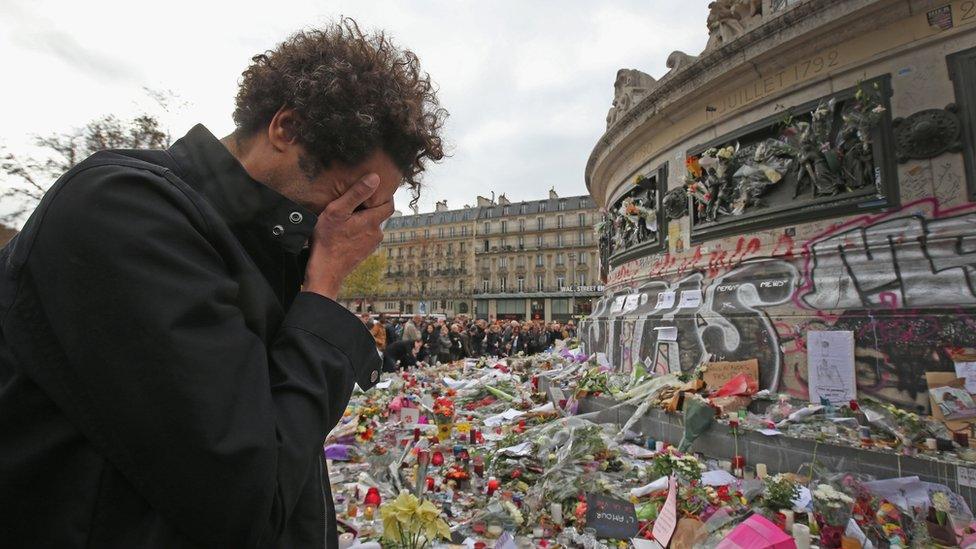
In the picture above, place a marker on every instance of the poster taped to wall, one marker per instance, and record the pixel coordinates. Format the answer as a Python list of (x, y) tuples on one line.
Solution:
[(830, 367)]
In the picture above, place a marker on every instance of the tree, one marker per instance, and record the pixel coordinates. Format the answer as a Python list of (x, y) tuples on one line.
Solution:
[(27, 177), (366, 279)]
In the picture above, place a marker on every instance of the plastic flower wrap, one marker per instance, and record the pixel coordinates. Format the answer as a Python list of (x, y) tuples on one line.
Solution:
[(832, 505), (412, 523), (672, 462)]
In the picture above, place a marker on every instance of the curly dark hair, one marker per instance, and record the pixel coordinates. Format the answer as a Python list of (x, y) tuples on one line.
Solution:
[(353, 93)]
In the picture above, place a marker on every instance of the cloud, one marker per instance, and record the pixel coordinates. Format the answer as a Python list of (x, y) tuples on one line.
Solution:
[(528, 84)]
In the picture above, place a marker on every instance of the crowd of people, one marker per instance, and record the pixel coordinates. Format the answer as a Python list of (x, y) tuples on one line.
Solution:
[(406, 342)]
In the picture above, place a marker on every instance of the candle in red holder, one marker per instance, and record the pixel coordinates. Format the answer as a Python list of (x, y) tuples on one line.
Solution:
[(437, 459), (423, 457), (473, 436), (738, 462), (535, 383), (430, 484), (493, 484), (416, 434), (853, 405), (373, 497), (479, 465)]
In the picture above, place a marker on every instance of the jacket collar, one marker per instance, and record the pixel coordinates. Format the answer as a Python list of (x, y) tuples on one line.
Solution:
[(244, 203)]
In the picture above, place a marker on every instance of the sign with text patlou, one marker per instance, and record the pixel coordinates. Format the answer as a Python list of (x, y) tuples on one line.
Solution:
[(719, 373)]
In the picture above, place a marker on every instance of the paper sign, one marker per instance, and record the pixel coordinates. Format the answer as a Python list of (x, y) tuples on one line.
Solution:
[(719, 373), (409, 416), (667, 518), (967, 371), (690, 299), (640, 543), (830, 366), (718, 477), (667, 333), (519, 450), (611, 517), (966, 476), (665, 300), (770, 432), (941, 17), (506, 541), (618, 304), (556, 395), (385, 384), (631, 303)]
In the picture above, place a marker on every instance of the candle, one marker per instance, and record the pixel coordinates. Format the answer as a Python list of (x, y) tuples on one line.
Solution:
[(537, 532), (650, 443), (495, 530), (931, 444), (437, 459), (345, 540), (556, 511), (493, 484), (659, 445), (473, 436), (738, 462), (416, 434), (761, 471), (801, 534), (789, 520), (372, 497), (430, 484), (725, 465)]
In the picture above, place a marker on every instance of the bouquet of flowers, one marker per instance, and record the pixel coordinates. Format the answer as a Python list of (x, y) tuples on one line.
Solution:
[(832, 508), (779, 493), (671, 461), (411, 523)]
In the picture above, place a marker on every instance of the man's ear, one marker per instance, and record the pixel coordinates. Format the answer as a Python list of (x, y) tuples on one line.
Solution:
[(281, 129)]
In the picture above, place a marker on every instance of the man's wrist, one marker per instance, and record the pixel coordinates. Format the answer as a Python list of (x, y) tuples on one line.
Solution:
[(325, 288)]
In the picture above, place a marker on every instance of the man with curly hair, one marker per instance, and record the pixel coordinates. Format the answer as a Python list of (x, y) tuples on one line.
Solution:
[(171, 352)]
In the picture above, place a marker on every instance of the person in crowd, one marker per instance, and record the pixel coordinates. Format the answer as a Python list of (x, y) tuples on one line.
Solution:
[(516, 341), (465, 338), (570, 329), (411, 330), (458, 337), (431, 341), (402, 355), (378, 329), (444, 344), (389, 327), (493, 341)]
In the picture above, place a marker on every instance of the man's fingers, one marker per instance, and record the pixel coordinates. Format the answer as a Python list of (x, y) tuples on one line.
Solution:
[(354, 196), (377, 214)]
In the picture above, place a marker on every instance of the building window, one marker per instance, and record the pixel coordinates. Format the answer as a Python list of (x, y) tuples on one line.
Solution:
[(581, 279), (485, 286), (538, 260), (504, 227), (486, 245), (452, 231), (559, 221), (582, 203), (560, 282), (582, 238), (521, 284), (541, 222), (538, 240), (487, 227), (413, 234), (559, 259), (542, 207), (539, 283), (501, 284), (440, 232), (582, 259), (522, 208), (389, 253), (559, 239), (399, 252), (461, 285), (450, 248), (505, 210), (502, 262), (521, 225), (462, 247), (562, 205), (582, 220), (521, 242)]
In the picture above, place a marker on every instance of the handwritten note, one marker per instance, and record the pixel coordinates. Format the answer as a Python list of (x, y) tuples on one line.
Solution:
[(966, 476), (618, 304), (611, 517), (719, 373), (690, 299), (409, 416), (667, 518), (631, 303), (967, 371), (830, 366), (665, 300)]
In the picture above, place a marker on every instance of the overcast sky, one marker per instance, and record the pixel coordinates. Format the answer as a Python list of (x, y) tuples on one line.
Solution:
[(528, 84)]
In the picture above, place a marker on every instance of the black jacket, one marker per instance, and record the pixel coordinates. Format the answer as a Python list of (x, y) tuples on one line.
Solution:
[(163, 381)]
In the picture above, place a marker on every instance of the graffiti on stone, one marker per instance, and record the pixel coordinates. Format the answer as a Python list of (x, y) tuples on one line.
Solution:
[(903, 281)]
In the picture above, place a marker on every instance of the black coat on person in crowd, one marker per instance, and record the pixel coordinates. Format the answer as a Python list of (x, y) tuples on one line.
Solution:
[(399, 356), (163, 381)]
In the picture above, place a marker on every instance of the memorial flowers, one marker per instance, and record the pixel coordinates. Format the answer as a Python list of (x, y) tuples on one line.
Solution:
[(779, 493), (672, 462), (832, 509)]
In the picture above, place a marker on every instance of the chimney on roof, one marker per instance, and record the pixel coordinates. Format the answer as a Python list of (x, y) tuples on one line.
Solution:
[(441, 206), (485, 202), (397, 213), (414, 209), (503, 200), (552, 193)]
